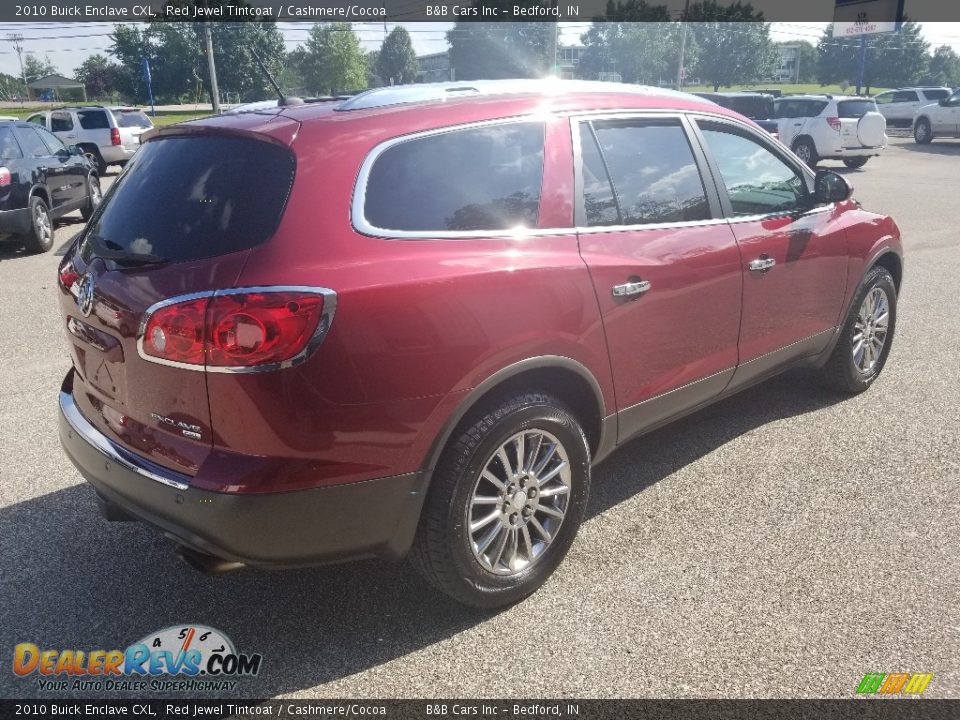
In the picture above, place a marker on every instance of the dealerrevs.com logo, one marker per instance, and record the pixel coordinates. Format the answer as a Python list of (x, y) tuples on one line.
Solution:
[(186, 658)]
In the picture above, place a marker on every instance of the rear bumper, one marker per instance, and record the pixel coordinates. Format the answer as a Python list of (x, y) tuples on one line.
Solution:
[(857, 152), (116, 153), (297, 528), (15, 222)]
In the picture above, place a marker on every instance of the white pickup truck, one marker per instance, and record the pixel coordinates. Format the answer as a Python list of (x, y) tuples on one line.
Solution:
[(939, 119)]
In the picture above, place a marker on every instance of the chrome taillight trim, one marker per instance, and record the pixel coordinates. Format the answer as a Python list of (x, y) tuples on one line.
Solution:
[(319, 335)]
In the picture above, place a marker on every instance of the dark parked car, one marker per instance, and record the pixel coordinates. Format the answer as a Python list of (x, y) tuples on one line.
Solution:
[(41, 180), (412, 322), (756, 106)]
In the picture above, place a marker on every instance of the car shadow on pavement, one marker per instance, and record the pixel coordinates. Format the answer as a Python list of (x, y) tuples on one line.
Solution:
[(944, 146), (12, 248), (72, 580)]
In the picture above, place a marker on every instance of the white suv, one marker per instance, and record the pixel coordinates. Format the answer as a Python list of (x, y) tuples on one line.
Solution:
[(900, 106), (107, 135), (836, 127), (940, 119)]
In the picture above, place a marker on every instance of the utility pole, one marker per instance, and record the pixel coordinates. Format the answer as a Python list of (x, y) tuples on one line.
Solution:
[(17, 40), (683, 44), (214, 90)]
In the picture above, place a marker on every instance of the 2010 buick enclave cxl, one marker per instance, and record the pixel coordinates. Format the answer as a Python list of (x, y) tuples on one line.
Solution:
[(411, 321)]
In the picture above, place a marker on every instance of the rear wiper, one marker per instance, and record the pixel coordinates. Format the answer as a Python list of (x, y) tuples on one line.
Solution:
[(109, 250)]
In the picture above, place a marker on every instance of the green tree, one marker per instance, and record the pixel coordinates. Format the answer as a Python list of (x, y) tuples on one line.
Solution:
[(396, 62), (892, 59), (35, 68), (99, 75), (331, 61), (175, 58), (641, 52), (482, 50), (11, 87), (944, 67), (734, 43)]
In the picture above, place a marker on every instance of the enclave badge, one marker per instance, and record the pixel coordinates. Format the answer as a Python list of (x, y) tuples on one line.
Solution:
[(85, 295)]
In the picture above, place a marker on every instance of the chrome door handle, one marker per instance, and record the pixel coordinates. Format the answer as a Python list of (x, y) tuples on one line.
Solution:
[(762, 264), (631, 288)]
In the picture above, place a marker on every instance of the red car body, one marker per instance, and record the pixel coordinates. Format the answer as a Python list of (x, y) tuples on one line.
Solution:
[(331, 458)]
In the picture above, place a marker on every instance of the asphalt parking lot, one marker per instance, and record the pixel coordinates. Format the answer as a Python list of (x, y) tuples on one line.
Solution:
[(779, 544)]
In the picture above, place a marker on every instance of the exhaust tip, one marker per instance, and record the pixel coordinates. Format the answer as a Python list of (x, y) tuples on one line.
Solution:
[(207, 564)]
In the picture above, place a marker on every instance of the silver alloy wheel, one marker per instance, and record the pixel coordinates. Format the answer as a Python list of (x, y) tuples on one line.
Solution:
[(96, 195), (41, 221), (519, 501), (870, 330), (803, 152), (920, 134)]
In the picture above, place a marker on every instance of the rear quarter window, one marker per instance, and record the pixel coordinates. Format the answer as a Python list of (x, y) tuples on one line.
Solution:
[(474, 179), (185, 198), (131, 118), (936, 94), (9, 150), (93, 120)]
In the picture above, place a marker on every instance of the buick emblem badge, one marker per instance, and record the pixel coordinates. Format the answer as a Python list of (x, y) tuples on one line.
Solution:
[(85, 295)]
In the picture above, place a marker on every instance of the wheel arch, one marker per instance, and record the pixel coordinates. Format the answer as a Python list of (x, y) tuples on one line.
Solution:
[(569, 380), (41, 192), (890, 260)]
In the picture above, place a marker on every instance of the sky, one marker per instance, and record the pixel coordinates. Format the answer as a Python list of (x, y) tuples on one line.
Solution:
[(68, 45)]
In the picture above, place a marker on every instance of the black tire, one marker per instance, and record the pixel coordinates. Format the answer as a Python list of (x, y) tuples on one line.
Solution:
[(855, 162), (806, 151), (93, 155), (443, 551), (841, 372), (94, 197), (40, 237), (922, 133)]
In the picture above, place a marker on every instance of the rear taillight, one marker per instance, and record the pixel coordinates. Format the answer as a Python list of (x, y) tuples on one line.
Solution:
[(247, 328), (5, 177), (834, 123), (68, 275), (114, 136)]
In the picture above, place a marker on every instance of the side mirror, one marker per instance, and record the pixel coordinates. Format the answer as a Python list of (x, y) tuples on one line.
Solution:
[(829, 187), (76, 150)]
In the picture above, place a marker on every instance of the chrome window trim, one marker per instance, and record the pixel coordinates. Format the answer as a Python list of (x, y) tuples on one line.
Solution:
[(700, 161), (319, 335), (86, 430), (358, 201)]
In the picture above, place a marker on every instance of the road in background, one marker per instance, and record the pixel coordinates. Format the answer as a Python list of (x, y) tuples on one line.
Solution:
[(781, 543)]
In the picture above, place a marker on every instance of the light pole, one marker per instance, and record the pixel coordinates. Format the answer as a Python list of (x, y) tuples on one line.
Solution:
[(17, 40)]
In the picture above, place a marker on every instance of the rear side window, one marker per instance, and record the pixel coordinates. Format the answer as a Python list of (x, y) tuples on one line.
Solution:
[(61, 122), (651, 169), (905, 96), (131, 118), (855, 108), (53, 143), (476, 179), (31, 142), (184, 198), (936, 94), (93, 120), (9, 150)]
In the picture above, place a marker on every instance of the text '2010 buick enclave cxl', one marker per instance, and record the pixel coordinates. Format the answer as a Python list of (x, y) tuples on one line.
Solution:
[(410, 322)]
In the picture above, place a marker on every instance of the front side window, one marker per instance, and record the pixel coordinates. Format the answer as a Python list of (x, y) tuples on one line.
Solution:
[(757, 181), (650, 168), (475, 179), (37, 120)]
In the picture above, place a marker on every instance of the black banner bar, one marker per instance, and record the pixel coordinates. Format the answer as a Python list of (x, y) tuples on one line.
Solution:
[(129, 11), (565, 709)]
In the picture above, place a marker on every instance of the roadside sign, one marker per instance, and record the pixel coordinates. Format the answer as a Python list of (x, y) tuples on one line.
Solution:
[(853, 18)]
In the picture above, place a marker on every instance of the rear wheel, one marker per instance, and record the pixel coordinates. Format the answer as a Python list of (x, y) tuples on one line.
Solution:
[(805, 150), (507, 498), (94, 197), (855, 162), (40, 237), (922, 132), (866, 336), (92, 153)]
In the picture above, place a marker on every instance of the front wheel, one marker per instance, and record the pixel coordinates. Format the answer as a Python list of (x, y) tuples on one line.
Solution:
[(866, 336), (855, 162), (922, 132), (507, 498), (39, 239), (94, 197)]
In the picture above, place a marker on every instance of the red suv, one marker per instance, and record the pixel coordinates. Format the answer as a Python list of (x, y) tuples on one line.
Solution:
[(411, 321)]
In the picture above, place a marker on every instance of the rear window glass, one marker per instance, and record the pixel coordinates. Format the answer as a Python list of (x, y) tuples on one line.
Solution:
[(9, 150), (93, 119), (855, 108), (484, 178), (936, 94), (184, 198), (131, 118)]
